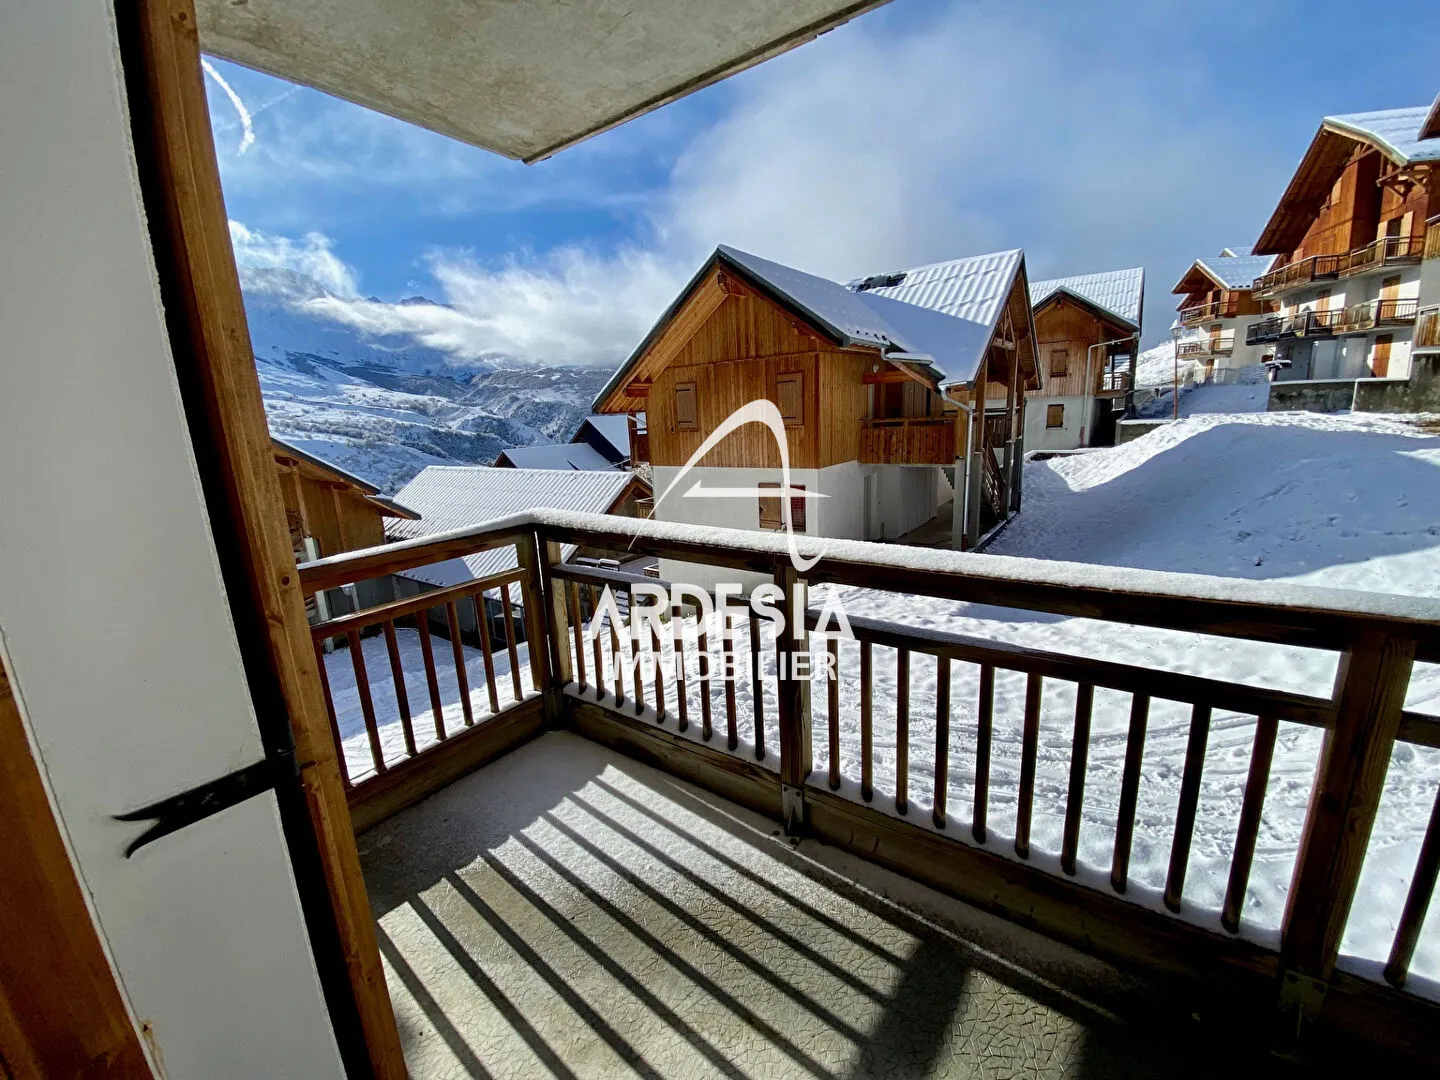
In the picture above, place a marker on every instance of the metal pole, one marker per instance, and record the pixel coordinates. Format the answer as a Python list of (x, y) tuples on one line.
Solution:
[(1175, 355)]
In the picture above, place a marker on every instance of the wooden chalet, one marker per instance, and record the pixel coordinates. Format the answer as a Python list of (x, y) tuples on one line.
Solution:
[(876, 382), (329, 510), (1349, 234), (1218, 306), (1087, 330)]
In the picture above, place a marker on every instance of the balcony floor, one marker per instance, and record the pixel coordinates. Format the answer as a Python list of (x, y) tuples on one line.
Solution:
[(569, 912)]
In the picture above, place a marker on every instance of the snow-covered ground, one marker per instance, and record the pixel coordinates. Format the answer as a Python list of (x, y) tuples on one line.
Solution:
[(1344, 501)]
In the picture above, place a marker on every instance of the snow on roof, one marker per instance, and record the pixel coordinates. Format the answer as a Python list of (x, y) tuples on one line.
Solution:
[(557, 456), (1238, 271), (306, 456), (1117, 291), (1395, 130), (614, 428), (972, 290), (453, 496), (1233, 252), (831, 304)]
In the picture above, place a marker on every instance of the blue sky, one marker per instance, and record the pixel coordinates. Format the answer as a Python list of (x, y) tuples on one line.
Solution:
[(1095, 136)]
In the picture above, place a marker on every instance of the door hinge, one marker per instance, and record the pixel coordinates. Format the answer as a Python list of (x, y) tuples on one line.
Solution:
[(175, 812)]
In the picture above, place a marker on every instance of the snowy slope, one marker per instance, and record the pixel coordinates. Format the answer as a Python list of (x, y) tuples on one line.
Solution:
[(384, 406)]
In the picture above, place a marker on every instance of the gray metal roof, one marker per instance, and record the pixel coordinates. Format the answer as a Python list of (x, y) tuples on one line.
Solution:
[(453, 496), (557, 456), (1119, 292), (613, 428), (1396, 130), (1236, 272)]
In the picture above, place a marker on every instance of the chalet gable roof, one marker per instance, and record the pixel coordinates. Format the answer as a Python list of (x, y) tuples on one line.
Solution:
[(1226, 271), (363, 488), (943, 315), (610, 431), (1118, 295), (556, 456), (1396, 133)]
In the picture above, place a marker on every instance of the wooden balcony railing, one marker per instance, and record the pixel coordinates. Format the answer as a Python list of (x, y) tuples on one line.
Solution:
[(1115, 381), (1386, 251), (1376, 313), (1432, 238), (1223, 345), (753, 740), (916, 441), (1427, 328), (1215, 309)]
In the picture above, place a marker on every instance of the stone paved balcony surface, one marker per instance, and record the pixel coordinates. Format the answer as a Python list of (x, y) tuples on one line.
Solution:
[(568, 912)]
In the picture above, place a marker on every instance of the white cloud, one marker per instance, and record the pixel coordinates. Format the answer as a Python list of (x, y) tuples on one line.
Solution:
[(310, 255), (1086, 137)]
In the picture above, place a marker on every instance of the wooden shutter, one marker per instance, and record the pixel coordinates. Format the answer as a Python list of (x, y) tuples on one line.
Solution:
[(1390, 287), (790, 396), (1381, 362), (1059, 363), (797, 508), (687, 416), (1054, 416), (770, 509)]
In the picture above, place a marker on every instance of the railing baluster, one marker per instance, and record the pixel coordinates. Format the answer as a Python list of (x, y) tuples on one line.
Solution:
[(577, 626), (1189, 803), (402, 698), (1129, 792), (682, 688), (330, 711), (657, 671), (902, 731), (833, 648), (727, 647), (616, 666), (1029, 750), (457, 648), (1079, 756), (942, 738), (510, 645), (639, 681), (1417, 903), (487, 652), (757, 685), (367, 704), (432, 678), (1261, 754), (705, 673), (596, 650), (985, 714), (867, 726)]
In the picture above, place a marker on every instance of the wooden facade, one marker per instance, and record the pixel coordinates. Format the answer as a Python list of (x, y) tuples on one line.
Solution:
[(339, 511), (1067, 332)]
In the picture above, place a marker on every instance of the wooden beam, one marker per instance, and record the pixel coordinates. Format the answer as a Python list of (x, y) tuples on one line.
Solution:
[(61, 1012), (221, 392)]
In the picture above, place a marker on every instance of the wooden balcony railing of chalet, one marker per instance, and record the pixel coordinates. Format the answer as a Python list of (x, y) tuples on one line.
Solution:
[(1386, 251), (1300, 324), (1215, 309), (929, 440), (1223, 345), (1115, 381), (1427, 328), (720, 736), (1432, 238), (1376, 313)]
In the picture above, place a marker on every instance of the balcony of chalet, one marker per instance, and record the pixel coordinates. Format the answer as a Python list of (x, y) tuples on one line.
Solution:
[(1226, 308), (588, 853), (1218, 345), (919, 440), (1427, 328), (1382, 253)]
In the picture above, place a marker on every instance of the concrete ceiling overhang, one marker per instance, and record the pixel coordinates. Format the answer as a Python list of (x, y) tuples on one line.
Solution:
[(523, 79)]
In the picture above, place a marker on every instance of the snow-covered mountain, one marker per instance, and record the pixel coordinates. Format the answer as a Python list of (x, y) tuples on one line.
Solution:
[(384, 405)]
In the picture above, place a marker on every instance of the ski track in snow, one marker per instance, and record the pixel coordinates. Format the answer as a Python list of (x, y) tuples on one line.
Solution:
[(1350, 502)]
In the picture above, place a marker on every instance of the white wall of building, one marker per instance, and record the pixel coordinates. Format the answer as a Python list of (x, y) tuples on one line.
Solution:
[(113, 619), (860, 502), (1066, 437)]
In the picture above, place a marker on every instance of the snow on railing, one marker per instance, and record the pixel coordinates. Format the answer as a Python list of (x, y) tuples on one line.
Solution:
[(866, 774)]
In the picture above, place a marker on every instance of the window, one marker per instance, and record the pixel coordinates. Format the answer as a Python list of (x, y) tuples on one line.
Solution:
[(771, 517), (1054, 416), (1059, 363), (686, 414), (790, 396)]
